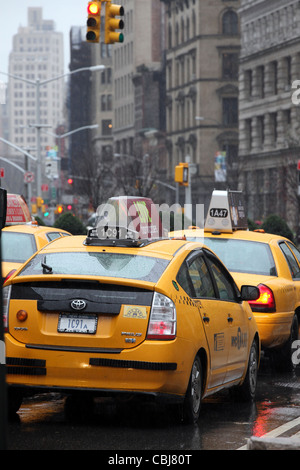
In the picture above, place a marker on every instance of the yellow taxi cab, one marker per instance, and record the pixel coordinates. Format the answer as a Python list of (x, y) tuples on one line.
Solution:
[(268, 261), (20, 242), (118, 316)]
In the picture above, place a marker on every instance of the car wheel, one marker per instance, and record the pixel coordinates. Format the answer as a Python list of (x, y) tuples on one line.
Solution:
[(14, 401), (282, 358), (192, 401), (246, 392)]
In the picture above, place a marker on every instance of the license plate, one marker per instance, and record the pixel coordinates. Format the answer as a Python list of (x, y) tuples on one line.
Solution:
[(72, 323)]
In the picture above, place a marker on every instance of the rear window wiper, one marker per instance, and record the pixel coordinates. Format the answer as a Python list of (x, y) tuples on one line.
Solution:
[(46, 269)]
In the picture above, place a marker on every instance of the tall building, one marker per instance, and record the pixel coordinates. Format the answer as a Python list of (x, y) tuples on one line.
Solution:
[(142, 47), (202, 51), (269, 120), (37, 54)]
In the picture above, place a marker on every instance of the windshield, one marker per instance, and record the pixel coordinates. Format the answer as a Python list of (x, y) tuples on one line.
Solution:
[(97, 264), (17, 247), (243, 256)]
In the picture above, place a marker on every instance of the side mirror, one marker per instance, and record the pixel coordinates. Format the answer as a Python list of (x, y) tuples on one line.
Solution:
[(249, 293)]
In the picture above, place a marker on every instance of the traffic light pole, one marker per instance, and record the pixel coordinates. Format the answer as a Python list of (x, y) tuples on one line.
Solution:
[(188, 193)]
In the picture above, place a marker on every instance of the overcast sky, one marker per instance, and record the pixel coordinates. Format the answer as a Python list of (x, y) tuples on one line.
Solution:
[(65, 13)]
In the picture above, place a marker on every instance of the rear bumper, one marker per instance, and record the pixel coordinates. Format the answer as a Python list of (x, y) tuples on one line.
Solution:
[(274, 328), (154, 367)]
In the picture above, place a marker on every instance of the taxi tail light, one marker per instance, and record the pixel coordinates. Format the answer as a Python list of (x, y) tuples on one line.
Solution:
[(9, 275), (162, 322), (265, 302), (6, 298)]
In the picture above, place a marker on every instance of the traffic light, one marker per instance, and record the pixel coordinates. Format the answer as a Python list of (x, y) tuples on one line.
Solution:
[(59, 209), (182, 174), (112, 23), (70, 181), (93, 21), (39, 201)]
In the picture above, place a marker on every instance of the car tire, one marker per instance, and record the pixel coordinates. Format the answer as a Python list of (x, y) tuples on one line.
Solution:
[(14, 401), (192, 401), (247, 391), (282, 358)]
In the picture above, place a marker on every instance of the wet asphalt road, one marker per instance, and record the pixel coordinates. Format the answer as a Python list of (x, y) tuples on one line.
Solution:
[(42, 422)]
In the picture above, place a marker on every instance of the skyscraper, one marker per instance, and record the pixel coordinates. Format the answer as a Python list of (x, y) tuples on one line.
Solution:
[(37, 54)]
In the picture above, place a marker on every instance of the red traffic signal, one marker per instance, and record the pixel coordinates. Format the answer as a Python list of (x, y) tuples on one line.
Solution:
[(70, 180), (93, 21), (93, 8)]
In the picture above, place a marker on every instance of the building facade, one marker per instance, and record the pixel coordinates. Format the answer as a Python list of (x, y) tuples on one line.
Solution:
[(202, 51), (269, 120), (37, 53)]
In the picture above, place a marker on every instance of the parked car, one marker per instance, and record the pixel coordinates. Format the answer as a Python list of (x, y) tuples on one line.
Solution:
[(127, 316)]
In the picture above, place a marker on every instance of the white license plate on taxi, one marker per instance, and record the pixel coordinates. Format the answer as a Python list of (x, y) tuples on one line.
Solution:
[(72, 323)]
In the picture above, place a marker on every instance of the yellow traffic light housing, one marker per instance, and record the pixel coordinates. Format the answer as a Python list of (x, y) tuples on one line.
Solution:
[(112, 23), (93, 21), (182, 174), (39, 201)]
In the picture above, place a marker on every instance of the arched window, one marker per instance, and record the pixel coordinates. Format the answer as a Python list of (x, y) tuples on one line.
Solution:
[(230, 23)]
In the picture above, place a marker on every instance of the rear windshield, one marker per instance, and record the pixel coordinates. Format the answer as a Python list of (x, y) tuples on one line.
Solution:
[(97, 264), (17, 247), (243, 256)]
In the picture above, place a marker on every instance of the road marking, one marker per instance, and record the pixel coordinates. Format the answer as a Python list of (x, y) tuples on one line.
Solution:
[(278, 431)]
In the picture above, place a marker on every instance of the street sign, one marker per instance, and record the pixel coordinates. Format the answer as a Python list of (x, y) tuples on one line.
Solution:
[(44, 187), (28, 177)]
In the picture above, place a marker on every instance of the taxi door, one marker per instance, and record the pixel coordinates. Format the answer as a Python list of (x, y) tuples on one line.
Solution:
[(214, 318), (236, 317)]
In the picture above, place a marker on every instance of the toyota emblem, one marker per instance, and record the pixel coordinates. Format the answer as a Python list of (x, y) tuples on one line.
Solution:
[(78, 304)]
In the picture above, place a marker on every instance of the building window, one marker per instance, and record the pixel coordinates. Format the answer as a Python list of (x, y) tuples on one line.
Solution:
[(248, 83), (230, 23), (230, 111), (230, 66), (261, 131), (260, 76), (106, 127)]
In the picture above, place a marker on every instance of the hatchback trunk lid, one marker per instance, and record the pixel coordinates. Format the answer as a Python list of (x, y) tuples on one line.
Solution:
[(80, 313)]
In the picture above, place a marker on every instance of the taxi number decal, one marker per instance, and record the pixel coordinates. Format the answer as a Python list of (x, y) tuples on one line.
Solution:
[(218, 212), (219, 341), (134, 312), (240, 340)]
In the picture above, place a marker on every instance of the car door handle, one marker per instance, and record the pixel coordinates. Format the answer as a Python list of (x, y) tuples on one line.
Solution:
[(229, 318), (205, 318)]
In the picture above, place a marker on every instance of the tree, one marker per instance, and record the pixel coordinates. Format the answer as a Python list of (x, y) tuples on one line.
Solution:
[(274, 224), (71, 223)]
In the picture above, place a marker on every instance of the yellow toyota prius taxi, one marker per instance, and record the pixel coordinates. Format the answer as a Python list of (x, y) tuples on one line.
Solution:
[(123, 316), (268, 261)]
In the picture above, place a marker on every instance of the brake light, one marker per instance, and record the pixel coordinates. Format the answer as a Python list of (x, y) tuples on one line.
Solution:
[(9, 275), (162, 322), (265, 302), (6, 297)]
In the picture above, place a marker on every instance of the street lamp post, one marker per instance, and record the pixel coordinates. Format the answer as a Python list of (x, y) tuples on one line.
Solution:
[(37, 83)]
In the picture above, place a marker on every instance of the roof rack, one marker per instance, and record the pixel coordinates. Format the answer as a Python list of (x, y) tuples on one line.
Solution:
[(113, 236)]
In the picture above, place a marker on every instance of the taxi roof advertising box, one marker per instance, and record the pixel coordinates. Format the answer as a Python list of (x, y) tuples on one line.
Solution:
[(226, 212)]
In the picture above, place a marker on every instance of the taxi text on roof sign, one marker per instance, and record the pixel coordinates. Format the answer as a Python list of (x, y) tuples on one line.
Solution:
[(226, 212)]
